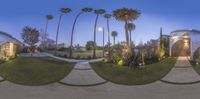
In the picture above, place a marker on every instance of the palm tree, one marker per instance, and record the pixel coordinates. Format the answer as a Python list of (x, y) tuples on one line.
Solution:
[(130, 27), (108, 16), (84, 10), (97, 12), (48, 17), (114, 35), (62, 12), (126, 15)]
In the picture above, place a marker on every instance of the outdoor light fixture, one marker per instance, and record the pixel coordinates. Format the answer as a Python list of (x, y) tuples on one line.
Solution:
[(100, 29)]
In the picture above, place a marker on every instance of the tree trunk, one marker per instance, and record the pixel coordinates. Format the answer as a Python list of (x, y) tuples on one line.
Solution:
[(58, 29), (94, 46), (45, 33), (72, 35), (126, 33), (103, 41), (108, 27), (113, 40), (131, 39)]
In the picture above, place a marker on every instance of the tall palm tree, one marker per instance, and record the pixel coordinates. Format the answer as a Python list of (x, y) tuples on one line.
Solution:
[(97, 12), (48, 18), (114, 35), (62, 12), (108, 16), (126, 15), (84, 10), (130, 27)]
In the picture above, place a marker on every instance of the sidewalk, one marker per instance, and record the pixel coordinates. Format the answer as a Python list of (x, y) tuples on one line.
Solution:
[(182, 73)]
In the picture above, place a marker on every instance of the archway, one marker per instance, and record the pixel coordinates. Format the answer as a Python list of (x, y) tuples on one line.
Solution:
[(181, 48)]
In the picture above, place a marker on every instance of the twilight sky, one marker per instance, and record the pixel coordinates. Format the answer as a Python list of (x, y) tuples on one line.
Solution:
[(169, 14)]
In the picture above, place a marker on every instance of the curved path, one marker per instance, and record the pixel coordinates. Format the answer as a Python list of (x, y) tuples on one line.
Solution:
[(82, 75), (182, 73)]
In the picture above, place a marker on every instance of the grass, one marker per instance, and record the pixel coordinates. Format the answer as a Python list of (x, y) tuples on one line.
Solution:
[(80, 54), (124, 75), (196, 67), (35, 71)]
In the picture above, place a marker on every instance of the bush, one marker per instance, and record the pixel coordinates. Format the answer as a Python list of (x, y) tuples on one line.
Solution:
[(89, 57), (78, 57), (160, 53)]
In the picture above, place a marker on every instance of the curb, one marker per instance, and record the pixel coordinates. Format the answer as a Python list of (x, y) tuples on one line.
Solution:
[(90, 85), (179, 83), (82, 69)]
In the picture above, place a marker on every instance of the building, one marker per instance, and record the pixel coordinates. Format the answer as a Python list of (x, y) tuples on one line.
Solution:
[(9, 46), (184, 42)]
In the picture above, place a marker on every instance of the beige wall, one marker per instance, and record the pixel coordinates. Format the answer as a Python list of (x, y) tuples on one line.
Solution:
[(7, 50)]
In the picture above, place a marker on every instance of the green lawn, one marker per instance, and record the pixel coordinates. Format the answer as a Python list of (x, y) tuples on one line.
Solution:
[(35, 71), (197, 68), (80, 54), (126, 76)]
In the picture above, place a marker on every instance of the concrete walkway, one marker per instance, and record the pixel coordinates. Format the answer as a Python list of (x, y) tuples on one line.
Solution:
[(1, 79), (182, 73), (83, 75)]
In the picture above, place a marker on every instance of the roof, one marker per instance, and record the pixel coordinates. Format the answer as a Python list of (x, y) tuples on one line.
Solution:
[(184, 30), (8, 35)]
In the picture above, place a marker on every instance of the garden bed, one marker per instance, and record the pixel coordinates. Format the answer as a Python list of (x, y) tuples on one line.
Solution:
[(124, 75)]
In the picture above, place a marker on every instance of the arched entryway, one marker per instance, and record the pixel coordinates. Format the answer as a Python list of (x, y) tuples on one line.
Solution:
[(181, 48)]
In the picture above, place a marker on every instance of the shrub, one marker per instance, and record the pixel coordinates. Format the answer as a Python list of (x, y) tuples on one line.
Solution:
[(89, 57), (78, 57), (160, 53)]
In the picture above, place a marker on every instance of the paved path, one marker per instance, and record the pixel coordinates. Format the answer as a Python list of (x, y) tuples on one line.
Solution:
[(1, 79), (155, 90), (182, 73), (83, 75)]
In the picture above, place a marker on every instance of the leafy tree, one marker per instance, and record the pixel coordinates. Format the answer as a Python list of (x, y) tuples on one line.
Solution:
[(89, 45), (30, 37)]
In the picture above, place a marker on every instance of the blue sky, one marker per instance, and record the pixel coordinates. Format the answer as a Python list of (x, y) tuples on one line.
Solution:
[(169, 14)]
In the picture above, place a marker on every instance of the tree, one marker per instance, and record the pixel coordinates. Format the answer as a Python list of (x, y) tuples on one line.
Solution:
[(84, 10), (30, 37), (126, 15), (48, 18), (161, 39), (108, 16), (130, 27), (62, 12), (97, 12), (89, 45), (114, 35)]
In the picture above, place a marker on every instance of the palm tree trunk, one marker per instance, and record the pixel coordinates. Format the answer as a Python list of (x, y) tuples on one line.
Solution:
[(114, 40), (131, 39), (108, 27), (103, 41), (58, 29), (72, 35), (126, 33), (45, 33), (94, 46)]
